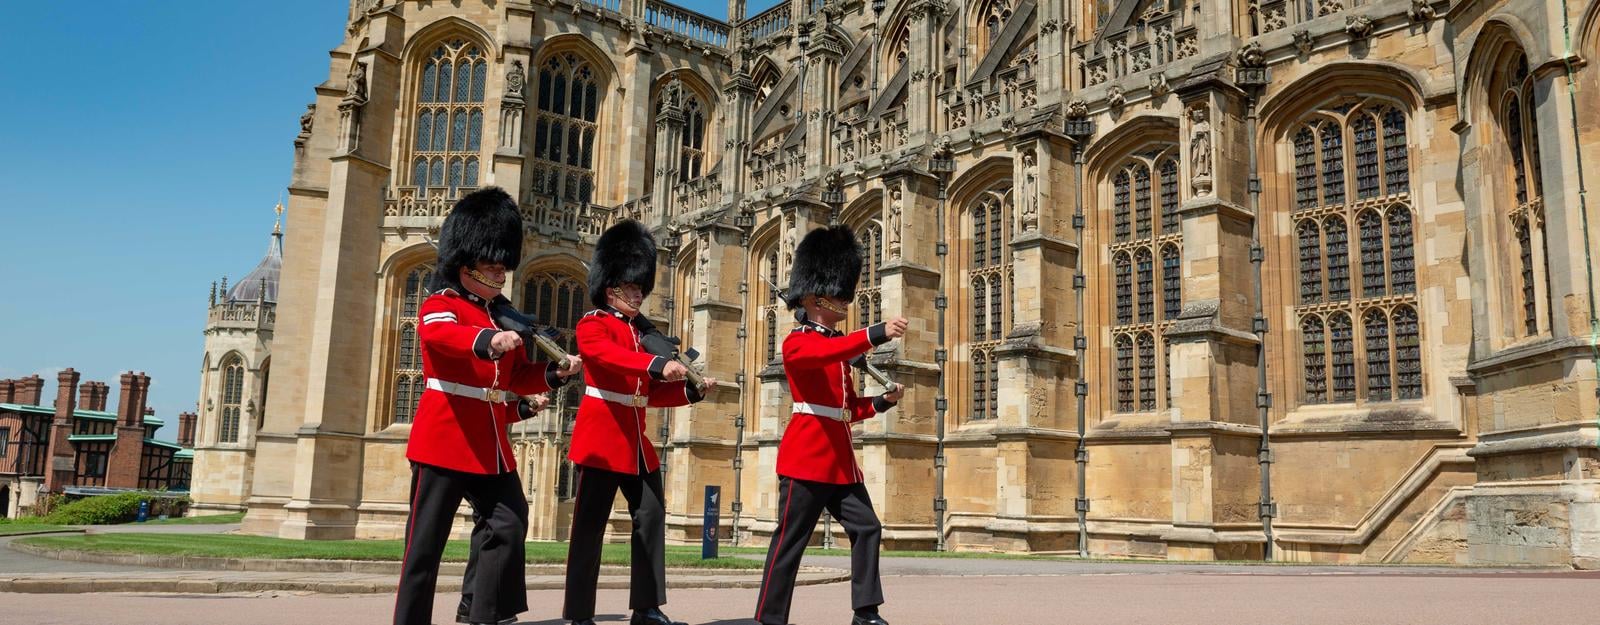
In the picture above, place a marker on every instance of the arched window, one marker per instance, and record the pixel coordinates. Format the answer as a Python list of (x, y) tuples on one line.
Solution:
[(232, 398), (988, 285), (564, 127), (1345, 324), (407, 377), (692, 145), (868, 307), (449, 117), (1518, 120), (1145, 259), (559, 300), (771, 306), (989, 20)]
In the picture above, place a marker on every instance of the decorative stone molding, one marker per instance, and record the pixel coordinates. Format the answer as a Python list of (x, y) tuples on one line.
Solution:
[(1303, 41)]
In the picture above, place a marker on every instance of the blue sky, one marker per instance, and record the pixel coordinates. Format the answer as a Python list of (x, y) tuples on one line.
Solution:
[(144, 147)]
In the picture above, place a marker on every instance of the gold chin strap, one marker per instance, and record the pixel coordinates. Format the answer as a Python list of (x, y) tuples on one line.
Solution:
[(823, 303), (484, 280)]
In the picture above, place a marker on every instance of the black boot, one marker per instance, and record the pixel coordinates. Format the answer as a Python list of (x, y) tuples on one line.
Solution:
[(868, 616), (587, 621), (652, 616)]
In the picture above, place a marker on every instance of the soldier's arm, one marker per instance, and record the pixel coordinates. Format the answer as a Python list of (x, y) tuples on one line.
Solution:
[(598, 349), (441, 330), (809, 349)]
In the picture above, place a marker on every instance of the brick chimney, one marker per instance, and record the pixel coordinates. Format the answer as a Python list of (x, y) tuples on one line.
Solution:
[(186, 423), (93, 396), (8, 391), (29, 390), (122, 468), (63, 457)]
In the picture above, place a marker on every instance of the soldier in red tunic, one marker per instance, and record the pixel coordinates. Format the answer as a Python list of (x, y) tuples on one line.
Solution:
[(816, 459), (609, 445), (458, 447)]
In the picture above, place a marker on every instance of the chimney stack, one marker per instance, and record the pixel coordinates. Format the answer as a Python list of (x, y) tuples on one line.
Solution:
[(30, 390), (186, 423), (8, 391), (66, 390), (93, 396), (63, 457), (131, 403)]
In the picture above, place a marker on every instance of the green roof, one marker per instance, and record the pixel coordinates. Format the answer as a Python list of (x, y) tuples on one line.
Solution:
[(151, 441), (91, 437), (98, 415), (184, 454)]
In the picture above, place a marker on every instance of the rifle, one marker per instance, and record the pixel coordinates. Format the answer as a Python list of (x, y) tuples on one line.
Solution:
[(659, 344), (542, 337)]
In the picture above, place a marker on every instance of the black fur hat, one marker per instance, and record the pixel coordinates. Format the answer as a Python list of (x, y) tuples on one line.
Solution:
[(483, 227), (827, 262), (625, 254)]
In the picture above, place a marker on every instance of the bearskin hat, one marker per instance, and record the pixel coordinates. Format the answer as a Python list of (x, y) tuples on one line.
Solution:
[(827, 262), (625, 254), (483, 227)]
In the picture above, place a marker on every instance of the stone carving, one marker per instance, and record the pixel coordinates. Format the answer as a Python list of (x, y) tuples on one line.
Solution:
[(1303, 41), (790, 236), (1200, 150), (672, 93), (1251, 56), (306, 120), (1158, 85), (892, 221), (1030, 191), (704, 261), (516, 78), (356, 83), (1188, 45), (1422, 11), (1049, 26), (1274, 17), (1097, 73), (1116, 97), (1077, 109), (1358, 26), (1329, 7)]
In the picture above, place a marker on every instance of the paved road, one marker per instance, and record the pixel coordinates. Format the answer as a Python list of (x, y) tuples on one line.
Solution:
[(1102, 599)]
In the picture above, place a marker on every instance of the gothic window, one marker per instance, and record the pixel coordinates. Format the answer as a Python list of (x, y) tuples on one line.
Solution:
[(990, 18), (1407, 354), (1147, 371), (988, 285), (772, 306), (407, 377), (898, 51), (449, 117), (1378, 365), (1124, 373), (1171, 282), (1145, 260), (692, 145), (1336, 240), (868, 308), (1146, 280), (1350, 330), (1119, 206), (564, 128), (1124, 289), (1520, 141), (232, 397), (1141, 201), (1169, 197), (559, 300)]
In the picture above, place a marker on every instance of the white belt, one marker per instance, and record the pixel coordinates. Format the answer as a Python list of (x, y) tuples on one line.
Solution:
[(821, 411), (626, 399), (495, 395)]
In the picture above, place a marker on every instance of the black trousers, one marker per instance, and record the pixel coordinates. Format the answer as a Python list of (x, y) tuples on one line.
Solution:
[(596, 489), (499, 583), (480, 533), (800, 503)]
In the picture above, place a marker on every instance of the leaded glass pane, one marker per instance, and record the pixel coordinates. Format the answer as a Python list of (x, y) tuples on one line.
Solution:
[(1141, 200), (1124, 373), (980, 384), (444, 83), (980, 310), (1530, 315), (1310, 242), (1169, 196), (1408, 354), (1372, 259), (1332, 164), (1515, 146), (429, 75), (1402, 263), (1171, 283), (1147, 372), (1337, 239), (1305, 169), (480, 74), (1343, 350), (424, 130), (1124, 289), (1146, 285), (1366, 137), (1119, 205), (1378, 380), (470, 179), (474, 131), (1396, 158)]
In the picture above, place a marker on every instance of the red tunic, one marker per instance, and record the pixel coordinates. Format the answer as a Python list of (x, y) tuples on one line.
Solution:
[(466, 433), (819, 448), (610, 435)]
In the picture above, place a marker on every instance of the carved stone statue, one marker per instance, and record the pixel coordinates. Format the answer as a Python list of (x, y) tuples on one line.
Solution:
[(1030, 191), (892, 218), (1077, 109), (1200, 150), (356, 87), (306, 120), (704, 260), (515, 78)]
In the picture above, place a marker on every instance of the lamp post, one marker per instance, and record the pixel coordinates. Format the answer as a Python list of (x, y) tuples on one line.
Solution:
[(941, 163)]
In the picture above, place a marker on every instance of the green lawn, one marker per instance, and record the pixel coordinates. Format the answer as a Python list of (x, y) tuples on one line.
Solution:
[(236, 546), (214, 519)]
